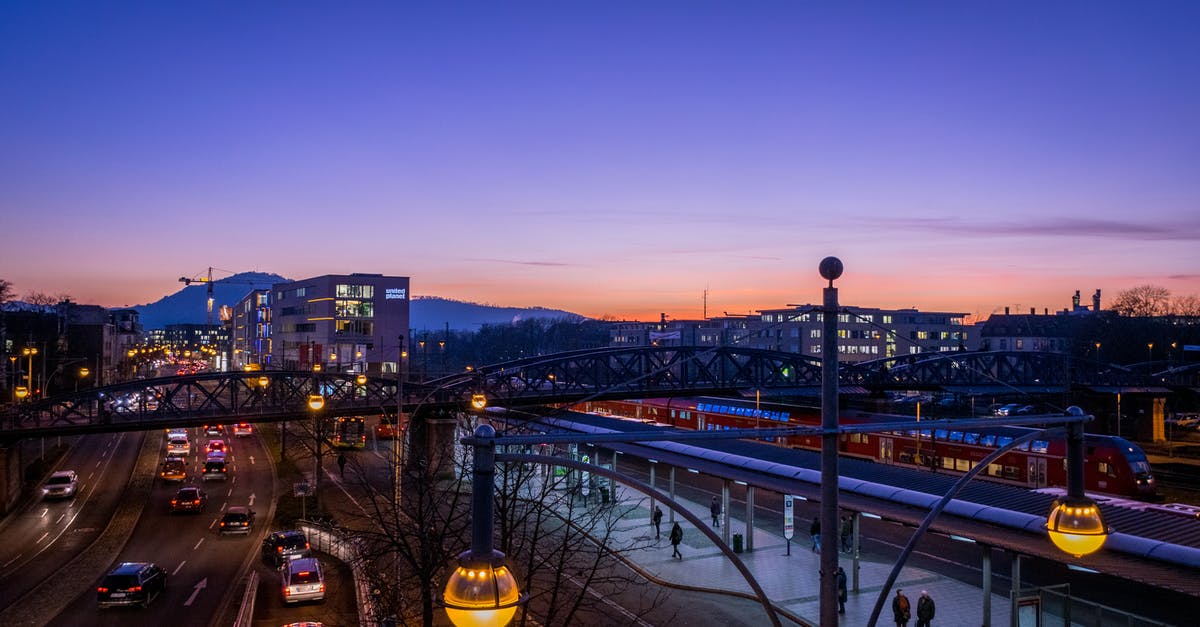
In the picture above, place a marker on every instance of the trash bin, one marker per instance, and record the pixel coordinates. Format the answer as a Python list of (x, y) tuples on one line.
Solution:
[(737, 543)]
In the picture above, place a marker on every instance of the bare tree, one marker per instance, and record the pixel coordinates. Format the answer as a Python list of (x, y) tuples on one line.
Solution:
[(1186, 305), (6, 291), (1143, 301), (42, 298)]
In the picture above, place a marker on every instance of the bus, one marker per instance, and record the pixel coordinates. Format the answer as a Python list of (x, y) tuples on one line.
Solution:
[(349, 432)]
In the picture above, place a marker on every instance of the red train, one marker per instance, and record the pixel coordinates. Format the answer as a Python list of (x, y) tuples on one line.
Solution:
[(1113, 465)]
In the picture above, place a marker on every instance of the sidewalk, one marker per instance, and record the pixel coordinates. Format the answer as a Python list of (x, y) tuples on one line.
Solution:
[(791, 582)]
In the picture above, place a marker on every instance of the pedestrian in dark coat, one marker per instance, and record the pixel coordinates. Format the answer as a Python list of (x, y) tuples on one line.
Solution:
[(925, 609), (341, 462), (656, 518), (676, 537), (841, 587), (715, 510), (847, 533), (901, 610), (814, 530)]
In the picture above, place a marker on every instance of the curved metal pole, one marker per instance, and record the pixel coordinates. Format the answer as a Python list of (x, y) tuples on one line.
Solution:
[(933, 513), (655, 493)]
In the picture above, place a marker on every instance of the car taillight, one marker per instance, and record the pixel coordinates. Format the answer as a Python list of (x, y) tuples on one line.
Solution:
[(101, 589), (279, 549), (136, 589), (174, 502), (322, 587), (222, 523), (305, 545), (287, 591), (196, 502)]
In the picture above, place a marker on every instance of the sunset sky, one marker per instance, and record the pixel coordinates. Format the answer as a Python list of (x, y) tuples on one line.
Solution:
[(607, 158)]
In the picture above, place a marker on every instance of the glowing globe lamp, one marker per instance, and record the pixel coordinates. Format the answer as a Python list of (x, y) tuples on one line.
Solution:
[(361, 379), (1075, 526), (481, 592), (478, 401), (316, 401)]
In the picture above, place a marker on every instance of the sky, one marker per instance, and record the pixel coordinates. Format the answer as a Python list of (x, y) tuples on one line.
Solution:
[(620, 159)]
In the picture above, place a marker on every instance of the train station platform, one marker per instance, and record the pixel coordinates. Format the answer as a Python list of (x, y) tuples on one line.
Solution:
[(791, 581)]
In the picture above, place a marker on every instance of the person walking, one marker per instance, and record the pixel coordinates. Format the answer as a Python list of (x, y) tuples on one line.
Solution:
[(341, 461), (814, 530), (841, 587), (901, 610), (715, 510), (676, 537), (925, 609), (656, 518), (847, 533)]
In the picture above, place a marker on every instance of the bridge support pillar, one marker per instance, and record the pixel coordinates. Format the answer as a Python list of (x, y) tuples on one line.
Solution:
[(986, 568), (671, 491), (432, 442), (749, 518), (10, 476)]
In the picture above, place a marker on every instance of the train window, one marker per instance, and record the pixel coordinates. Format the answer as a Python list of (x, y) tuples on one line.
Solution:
[(971, 438), (1003, 441), (1041, 446), (988, 440), (1012, 472), (1108, 469), (956, 436), (702, 407), (962, 465), (1024, 446), (948, 463), (994, 470), (942, 434), (912, 433), (927, 433)]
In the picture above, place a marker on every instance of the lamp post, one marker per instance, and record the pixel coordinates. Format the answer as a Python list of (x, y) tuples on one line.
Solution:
[(83, 374), (1097, 351), (831, 268), (29, 351), (1149, 352)]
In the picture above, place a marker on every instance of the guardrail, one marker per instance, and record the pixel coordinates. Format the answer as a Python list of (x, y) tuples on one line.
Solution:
[(245, 615), (329, 540)]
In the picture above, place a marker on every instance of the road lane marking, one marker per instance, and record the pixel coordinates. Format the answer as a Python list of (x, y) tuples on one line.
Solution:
[(101, 461), (200, 586), (39, 540), (44, 512), (177, 568), (60, 517), (201, 541), (230, 492), (6, 564)]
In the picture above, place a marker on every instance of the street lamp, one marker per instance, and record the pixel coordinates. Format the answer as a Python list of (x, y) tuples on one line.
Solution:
[(482, 591), (1097, 351), (1075, 524), (29, 351), (83, 373), (1149, 352), (316, 402)]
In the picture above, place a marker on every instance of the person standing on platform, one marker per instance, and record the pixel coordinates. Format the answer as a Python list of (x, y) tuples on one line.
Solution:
[(814, 530), (901, 610), (715, 510), (925, 609), (847, 533), (676, 537), (841, 587), (656, 518)]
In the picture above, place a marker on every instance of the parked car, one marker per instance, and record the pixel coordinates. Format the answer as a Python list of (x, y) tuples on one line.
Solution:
[(236, 520), (281, 546), (215, 469), (131, 583), (301, 580), (61, 485), (189, 499)]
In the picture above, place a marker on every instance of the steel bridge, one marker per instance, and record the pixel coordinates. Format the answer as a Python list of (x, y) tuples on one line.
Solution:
[(606, 373)]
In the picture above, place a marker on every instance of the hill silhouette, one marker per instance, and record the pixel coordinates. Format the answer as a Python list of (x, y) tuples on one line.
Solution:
[(188, 306)]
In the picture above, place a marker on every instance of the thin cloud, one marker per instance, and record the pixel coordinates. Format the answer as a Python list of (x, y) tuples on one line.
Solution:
[(1056, 227), (519, 262)]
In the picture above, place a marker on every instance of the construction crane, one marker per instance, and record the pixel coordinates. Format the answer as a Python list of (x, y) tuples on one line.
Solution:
[(204, 279)]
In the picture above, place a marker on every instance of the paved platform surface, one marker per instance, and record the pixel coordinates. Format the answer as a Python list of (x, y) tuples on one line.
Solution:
[(791, 581)]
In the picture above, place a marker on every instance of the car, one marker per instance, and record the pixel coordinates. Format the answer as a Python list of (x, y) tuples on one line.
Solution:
[(1005, 410), (189, 499), (386, 429), (215, 469), (242, 429), (1024, 410), (173, 469), (61, 485), (214, 430), (236, 520), (301, 580), (178, 445), (131, 583), (281, 546), (215, 446)]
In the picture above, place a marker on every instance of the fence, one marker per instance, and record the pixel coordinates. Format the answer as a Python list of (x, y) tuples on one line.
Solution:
[(1053, 606)]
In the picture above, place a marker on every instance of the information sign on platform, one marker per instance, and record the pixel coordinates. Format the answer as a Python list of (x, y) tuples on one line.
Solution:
[(789, 524)]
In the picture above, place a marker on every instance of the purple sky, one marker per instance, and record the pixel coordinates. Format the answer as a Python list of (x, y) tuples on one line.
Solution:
[(606, 158)]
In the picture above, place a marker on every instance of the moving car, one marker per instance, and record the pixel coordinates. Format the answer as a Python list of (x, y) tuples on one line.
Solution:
[(216, 446), (189, 499), (213, 430), (242, 429), (131, 583), (215, 469), (281, 546), (178, 445), (61, 485), (236, 520), (301, 580), (173, 469)]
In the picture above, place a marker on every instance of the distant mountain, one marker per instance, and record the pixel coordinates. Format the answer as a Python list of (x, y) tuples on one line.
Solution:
[(434, 313), (187, 306)]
